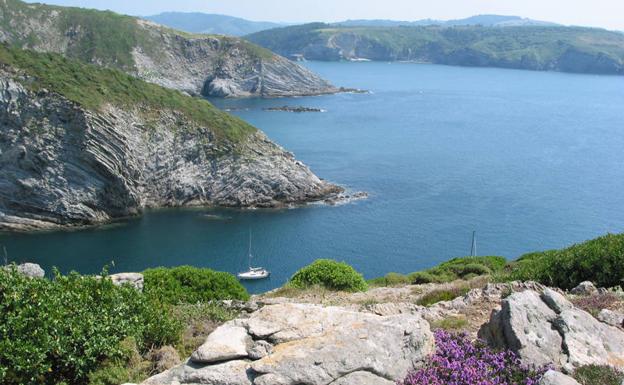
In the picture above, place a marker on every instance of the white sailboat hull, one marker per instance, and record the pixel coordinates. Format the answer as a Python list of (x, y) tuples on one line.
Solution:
[(254, 274)]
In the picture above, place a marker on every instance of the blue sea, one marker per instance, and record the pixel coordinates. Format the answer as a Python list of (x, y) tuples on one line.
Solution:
[(528, 160)]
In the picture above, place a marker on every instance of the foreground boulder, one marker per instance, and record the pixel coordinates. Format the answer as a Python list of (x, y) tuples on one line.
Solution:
[(290, 344), (548, 329), (552, 377)]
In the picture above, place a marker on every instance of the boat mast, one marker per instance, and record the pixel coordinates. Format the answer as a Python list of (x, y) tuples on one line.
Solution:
[(473, 249), (249, 254)]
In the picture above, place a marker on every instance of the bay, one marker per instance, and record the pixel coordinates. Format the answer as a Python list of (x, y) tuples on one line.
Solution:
[(529, 160)]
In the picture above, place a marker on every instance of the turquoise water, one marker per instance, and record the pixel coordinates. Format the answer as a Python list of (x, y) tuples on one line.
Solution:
[(530, 160)]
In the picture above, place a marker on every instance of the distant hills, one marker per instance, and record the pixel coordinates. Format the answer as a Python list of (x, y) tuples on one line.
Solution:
[(483, 20), (208, 65), (548, 48), (197, 22)]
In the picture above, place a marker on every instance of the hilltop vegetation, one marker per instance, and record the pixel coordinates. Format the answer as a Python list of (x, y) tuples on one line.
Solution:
[(197, 64), (568, 49)]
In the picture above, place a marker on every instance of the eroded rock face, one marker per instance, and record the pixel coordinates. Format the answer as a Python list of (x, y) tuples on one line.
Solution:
[(62, 165), (548, 329), (311, 344)]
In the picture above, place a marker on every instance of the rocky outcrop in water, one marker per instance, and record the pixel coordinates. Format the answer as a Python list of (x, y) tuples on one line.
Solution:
[(290, 344), (294, 109), (210, 65), (64, 165)]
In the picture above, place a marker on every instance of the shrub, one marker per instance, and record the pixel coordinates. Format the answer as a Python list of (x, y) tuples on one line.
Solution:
[(439, 295), (329, 274), (129, 366), (391, 279), (464, 268), (60, 330), (186, 284), (459, 361), (595, 374), (600, 260), (421, 277)]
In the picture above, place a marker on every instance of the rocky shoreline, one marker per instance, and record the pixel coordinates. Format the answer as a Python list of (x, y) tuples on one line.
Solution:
[(65, 166)]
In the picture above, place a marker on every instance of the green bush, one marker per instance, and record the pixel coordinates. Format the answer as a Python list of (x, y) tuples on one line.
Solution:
[(60, 330), (329, 274), (600, 260), (186, 284)]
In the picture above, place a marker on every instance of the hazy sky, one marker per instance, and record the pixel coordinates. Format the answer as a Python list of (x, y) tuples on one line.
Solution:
[(599, 13)]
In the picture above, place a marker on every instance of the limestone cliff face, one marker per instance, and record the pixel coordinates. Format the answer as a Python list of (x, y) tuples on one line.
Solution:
[(63, 165), (211, 65)]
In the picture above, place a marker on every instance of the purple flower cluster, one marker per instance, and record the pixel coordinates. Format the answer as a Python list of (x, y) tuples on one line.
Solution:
[(459, 361)]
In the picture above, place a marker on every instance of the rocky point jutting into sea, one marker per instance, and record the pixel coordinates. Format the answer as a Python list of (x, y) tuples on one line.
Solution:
[(73, 159)]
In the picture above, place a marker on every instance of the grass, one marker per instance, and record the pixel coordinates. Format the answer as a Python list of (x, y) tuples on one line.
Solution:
[(443, 294), (93, 88), (450, 323), (598, 375)]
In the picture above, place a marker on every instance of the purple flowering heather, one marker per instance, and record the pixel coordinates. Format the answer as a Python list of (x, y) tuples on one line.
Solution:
[(459, 361)]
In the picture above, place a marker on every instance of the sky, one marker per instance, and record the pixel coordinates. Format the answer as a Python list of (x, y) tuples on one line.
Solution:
[(597, 13)]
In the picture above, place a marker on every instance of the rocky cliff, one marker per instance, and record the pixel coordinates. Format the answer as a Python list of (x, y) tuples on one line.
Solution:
[(210, 65), (78, 150)]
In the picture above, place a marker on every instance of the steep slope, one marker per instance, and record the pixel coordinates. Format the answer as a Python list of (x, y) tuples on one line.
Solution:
[(81, 145), (196, 64), (568, 49), (197, 22)]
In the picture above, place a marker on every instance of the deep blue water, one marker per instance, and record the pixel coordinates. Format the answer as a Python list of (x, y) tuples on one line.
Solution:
[(530, 160)]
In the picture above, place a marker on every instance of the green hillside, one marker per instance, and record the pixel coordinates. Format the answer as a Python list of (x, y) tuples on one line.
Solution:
[(569, 49), (93, 87), (100, 37)]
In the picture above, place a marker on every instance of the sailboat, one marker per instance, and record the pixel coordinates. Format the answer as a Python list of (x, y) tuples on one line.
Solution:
[(254, 272)]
